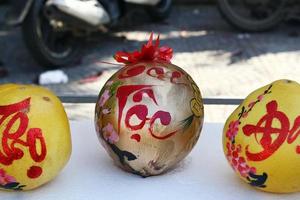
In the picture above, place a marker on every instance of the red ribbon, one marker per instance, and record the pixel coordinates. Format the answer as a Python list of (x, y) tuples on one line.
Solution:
[(149, 52)]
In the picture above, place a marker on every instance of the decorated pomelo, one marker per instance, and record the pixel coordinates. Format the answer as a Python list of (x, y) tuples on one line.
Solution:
[(260, 138), (35, 136), (150, 113)]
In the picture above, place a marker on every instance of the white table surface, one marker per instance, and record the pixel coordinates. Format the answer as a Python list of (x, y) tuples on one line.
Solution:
[(91, 175)]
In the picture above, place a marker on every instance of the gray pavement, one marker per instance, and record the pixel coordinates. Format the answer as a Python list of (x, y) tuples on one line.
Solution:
[(222, 61)]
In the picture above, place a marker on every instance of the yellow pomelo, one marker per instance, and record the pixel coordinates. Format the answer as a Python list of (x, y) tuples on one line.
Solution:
[(35, 142), (260, 138)]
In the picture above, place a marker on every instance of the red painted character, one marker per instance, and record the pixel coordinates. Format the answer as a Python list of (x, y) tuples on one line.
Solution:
[(15, 128), (141, 110), (155, 72), (264, 127)]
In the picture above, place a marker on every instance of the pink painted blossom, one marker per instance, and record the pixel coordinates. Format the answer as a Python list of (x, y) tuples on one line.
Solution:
[(233, 129), (237, 162), (109, 83), (260, 97), (106, 111), (251, 105), (104, 97), (110, 134), (5, 179), (245, 114)]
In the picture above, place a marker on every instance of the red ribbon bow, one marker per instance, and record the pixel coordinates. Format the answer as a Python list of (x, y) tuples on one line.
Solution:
[(149, 52)]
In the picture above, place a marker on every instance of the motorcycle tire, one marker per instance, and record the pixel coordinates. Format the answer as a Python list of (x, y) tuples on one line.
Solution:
[(248, 25), (36, 33), (3, 2), (161, 11)]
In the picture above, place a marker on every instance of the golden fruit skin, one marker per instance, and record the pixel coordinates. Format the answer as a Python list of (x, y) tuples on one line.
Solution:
[(46, 113), (158, 88), (267, 131)]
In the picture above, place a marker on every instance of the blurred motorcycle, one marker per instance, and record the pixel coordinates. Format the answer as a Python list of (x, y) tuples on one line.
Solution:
[(258, 15), (54, 30)]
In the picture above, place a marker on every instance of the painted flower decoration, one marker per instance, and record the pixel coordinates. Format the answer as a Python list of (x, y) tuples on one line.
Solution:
[(110, 134), (233, 155), (106, 111), (260, 97), (6, 179), (233, 129), (149, 52), (238, 162), (104, 97), (251, 105)]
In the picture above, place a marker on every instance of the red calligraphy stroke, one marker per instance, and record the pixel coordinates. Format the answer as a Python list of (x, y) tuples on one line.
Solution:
[(34, 172), (12, 139), (141, 110), (156, 72), (264, 127), (131, 71), (124, 91), (165, 119), (175, 75), (136, 137), (13, 108), (159, 73), (294, 132)]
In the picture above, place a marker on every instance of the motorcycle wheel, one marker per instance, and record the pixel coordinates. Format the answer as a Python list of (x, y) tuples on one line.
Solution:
[(3, 2), (49, 46), (255, 22), (161, 11)]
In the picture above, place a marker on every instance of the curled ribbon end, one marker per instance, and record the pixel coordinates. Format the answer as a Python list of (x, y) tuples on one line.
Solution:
[(149, 52)]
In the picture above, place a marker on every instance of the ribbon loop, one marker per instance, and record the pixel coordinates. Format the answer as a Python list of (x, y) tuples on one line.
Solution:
[(149, 52)]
